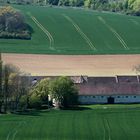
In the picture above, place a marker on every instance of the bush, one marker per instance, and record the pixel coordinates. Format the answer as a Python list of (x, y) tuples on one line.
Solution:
[(23, 35), (35, 102)]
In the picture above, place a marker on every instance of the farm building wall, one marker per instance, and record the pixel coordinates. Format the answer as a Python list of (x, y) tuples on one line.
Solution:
[(119, 89), (88, 99)]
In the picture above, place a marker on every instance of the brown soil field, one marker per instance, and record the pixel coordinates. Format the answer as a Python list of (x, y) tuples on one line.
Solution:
[(70, 65)]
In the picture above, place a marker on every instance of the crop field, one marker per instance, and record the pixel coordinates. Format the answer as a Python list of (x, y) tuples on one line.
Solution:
[(97, 122), (75, 31), (70, 65)]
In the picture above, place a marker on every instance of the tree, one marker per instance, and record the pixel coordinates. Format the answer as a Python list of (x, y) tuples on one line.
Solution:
[(136, 7), (23, 92), (13, 86), (64, 92), (131, 4), (12, 24), (1, 95), (8, 69), (87, 3), (39, 94), (137, 69), (17, 87)]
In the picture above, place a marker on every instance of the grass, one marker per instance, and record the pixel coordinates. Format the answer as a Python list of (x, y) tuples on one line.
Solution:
[(97, 122), (73, 31)]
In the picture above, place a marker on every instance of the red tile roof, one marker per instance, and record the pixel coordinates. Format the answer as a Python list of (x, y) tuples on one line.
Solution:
[(109, 89)]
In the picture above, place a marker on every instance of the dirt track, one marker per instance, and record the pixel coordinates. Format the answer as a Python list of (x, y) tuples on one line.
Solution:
[(91, 65)]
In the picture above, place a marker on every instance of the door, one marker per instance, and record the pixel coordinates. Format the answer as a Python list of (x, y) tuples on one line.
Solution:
[(110, 100)]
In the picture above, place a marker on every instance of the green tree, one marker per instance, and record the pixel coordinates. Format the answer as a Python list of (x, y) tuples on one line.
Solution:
[(136, 7), (87, 3), (131, 4), (64, 92), (39, 94)]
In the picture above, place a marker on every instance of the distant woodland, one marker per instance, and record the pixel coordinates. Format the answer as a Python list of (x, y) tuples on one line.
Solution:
[(12, 24), (131, 7)]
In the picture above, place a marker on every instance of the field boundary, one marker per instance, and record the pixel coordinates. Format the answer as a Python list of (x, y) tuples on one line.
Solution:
[(114, 32), (50, 37), (82, 34)]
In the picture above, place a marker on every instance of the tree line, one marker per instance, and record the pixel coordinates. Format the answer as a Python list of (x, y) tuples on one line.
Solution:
[(12, 87), (124, 6), (19, 93), (12, 24)]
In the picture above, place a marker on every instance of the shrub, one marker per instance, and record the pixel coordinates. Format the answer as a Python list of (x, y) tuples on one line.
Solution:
[(35, 102), (23, 35)]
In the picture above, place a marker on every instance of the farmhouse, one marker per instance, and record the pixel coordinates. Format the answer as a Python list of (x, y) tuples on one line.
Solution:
[(100, 90)]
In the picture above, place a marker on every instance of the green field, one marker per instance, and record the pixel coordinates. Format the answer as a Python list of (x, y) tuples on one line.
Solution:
[(75, 31), (102, 122)]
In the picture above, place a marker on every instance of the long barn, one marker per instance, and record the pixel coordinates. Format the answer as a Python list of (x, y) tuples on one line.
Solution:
[(100, 90), (119, 89)]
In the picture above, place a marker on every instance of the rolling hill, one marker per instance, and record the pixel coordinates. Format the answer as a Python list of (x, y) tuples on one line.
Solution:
[(76, 31)]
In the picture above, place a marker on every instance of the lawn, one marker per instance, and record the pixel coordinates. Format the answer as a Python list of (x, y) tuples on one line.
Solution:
[(75, 31), (97, 122)]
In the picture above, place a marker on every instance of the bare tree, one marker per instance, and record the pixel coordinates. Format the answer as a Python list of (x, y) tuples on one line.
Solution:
[(18, 87), (7, 71), (1, 95), (136, 69)]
